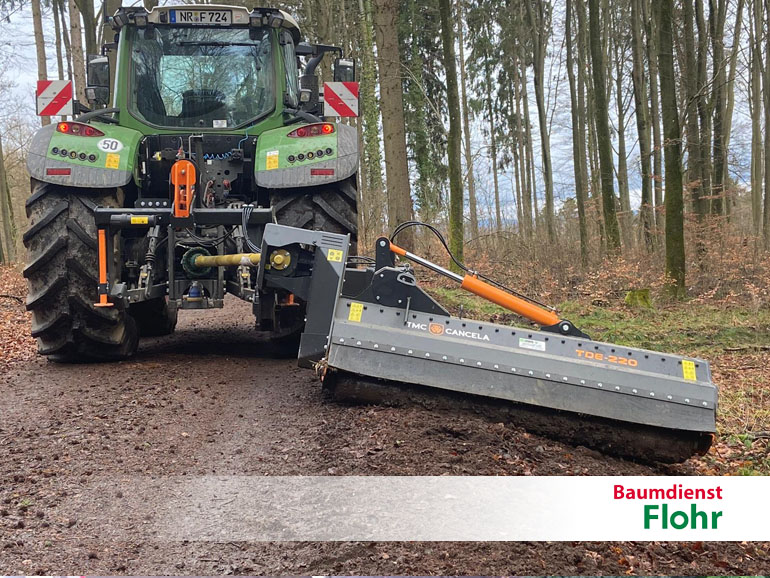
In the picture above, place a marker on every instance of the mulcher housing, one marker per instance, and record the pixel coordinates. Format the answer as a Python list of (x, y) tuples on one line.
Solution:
[(390, 330)]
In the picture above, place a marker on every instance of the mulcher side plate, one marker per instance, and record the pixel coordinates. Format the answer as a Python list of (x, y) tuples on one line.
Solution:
[(547, 370)]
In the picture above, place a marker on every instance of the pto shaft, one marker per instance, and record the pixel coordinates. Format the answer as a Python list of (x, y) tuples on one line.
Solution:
[(233, 260)]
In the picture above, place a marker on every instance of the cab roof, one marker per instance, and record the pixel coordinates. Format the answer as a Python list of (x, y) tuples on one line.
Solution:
[(273, 17)]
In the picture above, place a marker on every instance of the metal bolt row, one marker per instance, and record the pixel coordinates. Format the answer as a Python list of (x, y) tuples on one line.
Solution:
[(566, 379)]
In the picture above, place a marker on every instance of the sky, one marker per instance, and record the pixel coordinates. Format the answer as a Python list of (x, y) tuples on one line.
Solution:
[(17, 52)]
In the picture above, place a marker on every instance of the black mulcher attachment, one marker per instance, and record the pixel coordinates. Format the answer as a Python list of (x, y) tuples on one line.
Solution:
[(390, 341)]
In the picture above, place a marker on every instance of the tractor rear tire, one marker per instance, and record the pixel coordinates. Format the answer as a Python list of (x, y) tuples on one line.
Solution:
[(62, 277), (154, 317), (332, 208)]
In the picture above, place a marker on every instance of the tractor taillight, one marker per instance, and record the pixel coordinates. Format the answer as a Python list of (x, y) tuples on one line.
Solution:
[(317, 129), (78, 129)]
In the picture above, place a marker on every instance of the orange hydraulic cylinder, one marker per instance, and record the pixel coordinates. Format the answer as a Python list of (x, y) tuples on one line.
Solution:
[(529, 310), (183, 179), (102, 257)]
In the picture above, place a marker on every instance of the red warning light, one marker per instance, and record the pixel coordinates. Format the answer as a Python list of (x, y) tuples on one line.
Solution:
[(78, 128), (317, 129)]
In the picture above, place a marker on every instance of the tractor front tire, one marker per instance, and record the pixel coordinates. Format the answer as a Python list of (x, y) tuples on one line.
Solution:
[(332, 208), (154, 317), (62, 277)]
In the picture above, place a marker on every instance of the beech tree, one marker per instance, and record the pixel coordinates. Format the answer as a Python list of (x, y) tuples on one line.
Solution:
[(675, 258), (392, 108)]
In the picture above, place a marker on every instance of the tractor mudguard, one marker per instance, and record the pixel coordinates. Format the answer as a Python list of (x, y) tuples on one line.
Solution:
[(285, 162), (102, 161)]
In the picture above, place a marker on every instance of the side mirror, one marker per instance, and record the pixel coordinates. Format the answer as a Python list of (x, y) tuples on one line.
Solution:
[(98, 85), (344, 70)]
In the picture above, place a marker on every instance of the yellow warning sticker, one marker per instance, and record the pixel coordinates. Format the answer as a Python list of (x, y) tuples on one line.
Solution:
[(334, 255), (112, 161), (356, 309), (271, 161), (139, 220), (688, 370)]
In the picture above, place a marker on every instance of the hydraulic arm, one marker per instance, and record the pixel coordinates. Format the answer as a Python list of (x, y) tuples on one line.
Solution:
[(546, 318)]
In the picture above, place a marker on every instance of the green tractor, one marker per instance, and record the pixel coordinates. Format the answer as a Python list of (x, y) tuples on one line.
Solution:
[(212, 130)]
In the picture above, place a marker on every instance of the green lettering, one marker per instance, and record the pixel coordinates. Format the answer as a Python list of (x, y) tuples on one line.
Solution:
[(648, 515), (714, 518), (694, 515), (679, 525)]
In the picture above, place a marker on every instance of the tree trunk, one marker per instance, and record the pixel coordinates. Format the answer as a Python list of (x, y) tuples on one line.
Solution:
[(584, 124), (622, 175), (8, 233), (717, 15), (392, 107), (530, 160), (523, 186), (657, 147), (56, 6), (704, 106), (675, 256), (325, 35), (65, 35), (766, 94), (642, 126), (78, 60), (42, 70), (540, 29), (603, 139), (86, 8), (372, 191), (474, 217), (580, 177), (691, 92), (493, 152), (755, 101), (730, 105), (454, 139)]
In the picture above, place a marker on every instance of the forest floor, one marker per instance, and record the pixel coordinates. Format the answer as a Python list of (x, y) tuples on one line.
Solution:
[(201, 402)]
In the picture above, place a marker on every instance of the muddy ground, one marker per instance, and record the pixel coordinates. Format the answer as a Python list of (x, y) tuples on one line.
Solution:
[(201, 402)]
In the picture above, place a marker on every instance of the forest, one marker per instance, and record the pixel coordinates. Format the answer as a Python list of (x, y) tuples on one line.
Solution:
[(570, 136)]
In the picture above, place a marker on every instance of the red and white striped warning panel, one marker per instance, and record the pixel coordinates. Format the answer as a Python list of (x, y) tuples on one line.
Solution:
[(54, 97), (340, 99)]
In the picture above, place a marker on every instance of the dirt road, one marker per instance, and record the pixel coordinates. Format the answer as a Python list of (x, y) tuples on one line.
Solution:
[(200, 402)]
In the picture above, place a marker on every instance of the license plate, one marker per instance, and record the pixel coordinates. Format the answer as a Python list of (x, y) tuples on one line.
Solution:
[(202, 17)]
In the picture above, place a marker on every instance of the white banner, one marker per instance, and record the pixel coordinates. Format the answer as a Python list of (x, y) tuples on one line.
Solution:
[(467, 508)]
